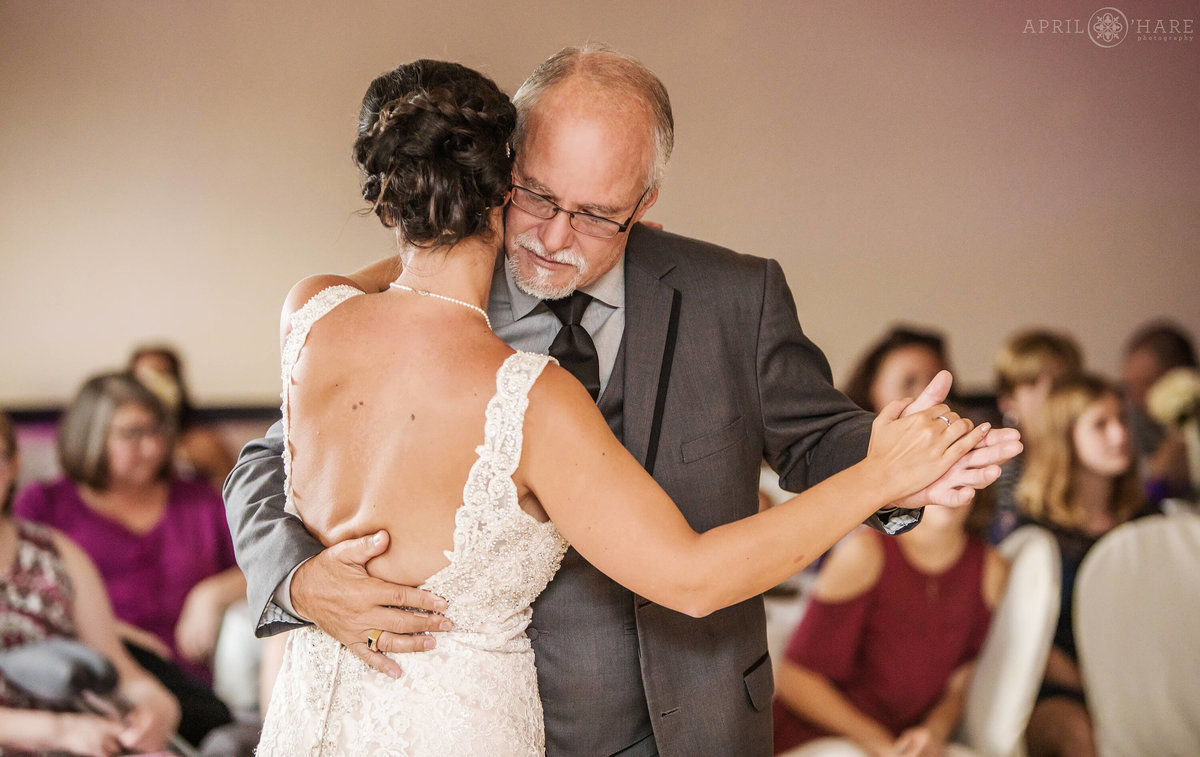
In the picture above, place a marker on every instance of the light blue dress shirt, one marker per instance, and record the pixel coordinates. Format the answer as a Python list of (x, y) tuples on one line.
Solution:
[(526, 324)]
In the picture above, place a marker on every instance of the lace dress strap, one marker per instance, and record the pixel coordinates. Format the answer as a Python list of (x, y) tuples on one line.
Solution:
[(301, 323), (480, 582), (503, 432)]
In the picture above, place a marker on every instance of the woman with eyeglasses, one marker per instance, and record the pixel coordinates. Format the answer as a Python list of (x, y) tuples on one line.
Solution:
[(161, 542), (49, 589)]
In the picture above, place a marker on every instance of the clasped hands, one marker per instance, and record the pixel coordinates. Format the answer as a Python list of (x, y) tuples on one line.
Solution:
[(334, 590), (974, 470)]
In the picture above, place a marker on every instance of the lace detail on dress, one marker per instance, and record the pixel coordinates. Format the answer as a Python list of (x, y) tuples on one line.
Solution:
[(476, 692), (301, 323), (502, 557)]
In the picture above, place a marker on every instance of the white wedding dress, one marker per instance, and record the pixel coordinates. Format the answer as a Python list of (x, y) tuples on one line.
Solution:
[(476, 692)]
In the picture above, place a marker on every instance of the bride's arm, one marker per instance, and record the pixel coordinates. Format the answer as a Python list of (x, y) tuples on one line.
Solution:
[(623, 523)]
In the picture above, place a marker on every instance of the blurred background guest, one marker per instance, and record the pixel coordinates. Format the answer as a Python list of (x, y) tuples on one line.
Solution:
[(899, 365), (199, 450), (1153, 350), (1080, 482), (49, 589), (161, 543), (1027, 366), (885, 650)]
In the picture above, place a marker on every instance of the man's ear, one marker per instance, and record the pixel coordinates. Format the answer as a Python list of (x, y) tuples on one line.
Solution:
[(647, 203)]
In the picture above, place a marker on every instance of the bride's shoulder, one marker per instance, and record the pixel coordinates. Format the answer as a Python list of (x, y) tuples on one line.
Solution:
[(303, 292), (305, 289)]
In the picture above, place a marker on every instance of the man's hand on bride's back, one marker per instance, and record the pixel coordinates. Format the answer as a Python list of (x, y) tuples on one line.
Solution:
[(334, 591)]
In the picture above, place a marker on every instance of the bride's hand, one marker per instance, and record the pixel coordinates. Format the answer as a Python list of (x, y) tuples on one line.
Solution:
[(974, 470), (914, 450), (334, 591)]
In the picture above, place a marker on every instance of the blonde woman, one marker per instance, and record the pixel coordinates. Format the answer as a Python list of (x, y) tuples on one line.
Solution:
[(1027, 366), (199, 449), (1080, 483)]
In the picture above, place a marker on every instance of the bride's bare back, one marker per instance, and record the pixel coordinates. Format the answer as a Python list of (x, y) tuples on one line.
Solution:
[(387, 409)]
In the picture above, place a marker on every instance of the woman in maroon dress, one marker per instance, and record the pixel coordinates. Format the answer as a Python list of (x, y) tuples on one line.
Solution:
[(884, 652)]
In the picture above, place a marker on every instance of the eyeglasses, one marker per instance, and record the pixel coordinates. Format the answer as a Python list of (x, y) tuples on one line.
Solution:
[(134, 434), (585, 223)]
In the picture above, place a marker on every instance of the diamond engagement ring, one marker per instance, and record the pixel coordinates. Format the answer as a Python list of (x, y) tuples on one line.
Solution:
[(373, 639), (944, 418)]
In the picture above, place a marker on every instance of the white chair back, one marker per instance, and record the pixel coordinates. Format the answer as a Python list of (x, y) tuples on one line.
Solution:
[(827, 747), (1137, 632), (1011, 664), (837, 747), (236, 659)]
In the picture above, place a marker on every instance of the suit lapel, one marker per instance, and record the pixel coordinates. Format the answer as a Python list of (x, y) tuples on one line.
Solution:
[(651, 319)]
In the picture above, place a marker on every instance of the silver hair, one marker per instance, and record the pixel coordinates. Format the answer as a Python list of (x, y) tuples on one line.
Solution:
[(85, 425), (621, 74)]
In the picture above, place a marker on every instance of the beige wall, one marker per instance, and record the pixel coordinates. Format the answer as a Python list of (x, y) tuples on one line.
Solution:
[(170, 168)]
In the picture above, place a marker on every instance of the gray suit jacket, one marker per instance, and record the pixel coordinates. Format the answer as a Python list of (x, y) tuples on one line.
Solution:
[(714, 376)]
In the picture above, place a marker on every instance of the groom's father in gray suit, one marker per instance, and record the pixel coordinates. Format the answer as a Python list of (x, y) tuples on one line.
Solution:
[(697, 359)]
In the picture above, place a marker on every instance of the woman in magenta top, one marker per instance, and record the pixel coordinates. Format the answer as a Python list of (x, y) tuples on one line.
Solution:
[(884, 651), (150, 575), (50, 590), (161, 543)]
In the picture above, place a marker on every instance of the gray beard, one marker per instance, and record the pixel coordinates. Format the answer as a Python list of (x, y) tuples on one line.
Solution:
[(535, 287)]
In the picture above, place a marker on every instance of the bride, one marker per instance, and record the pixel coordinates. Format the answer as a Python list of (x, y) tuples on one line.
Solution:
[(403, 411)]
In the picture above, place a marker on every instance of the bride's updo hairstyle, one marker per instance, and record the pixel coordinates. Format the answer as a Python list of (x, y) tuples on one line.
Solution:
[(433, 146)]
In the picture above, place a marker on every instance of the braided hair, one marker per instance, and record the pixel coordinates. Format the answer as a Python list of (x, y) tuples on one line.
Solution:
[(433, 147)]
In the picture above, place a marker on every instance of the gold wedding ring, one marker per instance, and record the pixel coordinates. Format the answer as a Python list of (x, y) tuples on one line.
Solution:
[(373, 639), (944, 418)]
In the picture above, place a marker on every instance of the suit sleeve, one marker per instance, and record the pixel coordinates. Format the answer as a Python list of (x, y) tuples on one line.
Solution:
[(811, 430), (268, 541)]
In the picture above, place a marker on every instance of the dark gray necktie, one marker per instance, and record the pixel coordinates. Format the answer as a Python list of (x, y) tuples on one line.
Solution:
[(573, 347)]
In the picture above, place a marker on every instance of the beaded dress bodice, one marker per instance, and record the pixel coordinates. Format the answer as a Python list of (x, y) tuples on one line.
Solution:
[(502, 556), (476, 691)]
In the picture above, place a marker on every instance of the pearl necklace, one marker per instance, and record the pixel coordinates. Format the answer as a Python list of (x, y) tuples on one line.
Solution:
[(427, 293)]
